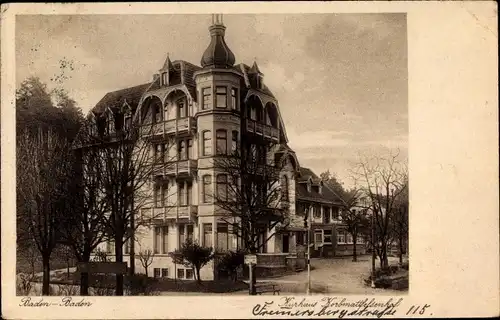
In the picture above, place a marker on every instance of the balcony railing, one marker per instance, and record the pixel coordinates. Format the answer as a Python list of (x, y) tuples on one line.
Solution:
[(157, 215), (168, 127), (262, 129), (176, 168)]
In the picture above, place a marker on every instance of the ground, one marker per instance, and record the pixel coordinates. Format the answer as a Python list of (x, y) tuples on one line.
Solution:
[(328, 276), (334, 276)]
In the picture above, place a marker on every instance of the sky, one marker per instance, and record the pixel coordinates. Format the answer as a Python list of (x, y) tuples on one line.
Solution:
[(341, 80)]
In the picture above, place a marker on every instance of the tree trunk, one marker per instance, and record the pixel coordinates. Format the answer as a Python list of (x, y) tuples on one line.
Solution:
[(354, 253), (46, 275), (198, 278), (119, 258), (354, 243), (84, 284), (146, 270), (400, 250)]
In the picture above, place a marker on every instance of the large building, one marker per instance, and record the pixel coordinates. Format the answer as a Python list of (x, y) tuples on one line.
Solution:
[(204, 111)]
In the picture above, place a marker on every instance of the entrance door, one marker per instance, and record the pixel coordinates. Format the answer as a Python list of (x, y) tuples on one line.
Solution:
[(285, 238)]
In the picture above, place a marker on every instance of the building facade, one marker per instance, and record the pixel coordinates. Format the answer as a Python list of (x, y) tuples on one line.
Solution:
[(194, 114)]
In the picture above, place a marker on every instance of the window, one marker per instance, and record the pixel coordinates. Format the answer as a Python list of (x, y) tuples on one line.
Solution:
[(221, 97), (335, 212), (207, 235), (159, 151), (182, 150), (189, 150), (207, 188), (189, 274), (157, 240), (111, 125), (189, 194), (206, 99), (164, 272), (222, 187), (156, 113), (164, 236), (164, 78), (253, 113), (180, 273), (207, 143), (222, 237), (160, 194), (341, 237), (182, 194), (221, 136), (317, 211), (327, 236), (318, 236), (128, 122), (190, 231), (326, 214), (156, 272), (181, 106), (182, 234), (234, 142), (234, 96), (360, 240)]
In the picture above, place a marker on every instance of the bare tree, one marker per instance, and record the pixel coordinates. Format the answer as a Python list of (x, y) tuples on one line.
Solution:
[(383, 180), (128, 172), (248, 195), (84, 230), (42, 190), (400, 223), (146, 258)]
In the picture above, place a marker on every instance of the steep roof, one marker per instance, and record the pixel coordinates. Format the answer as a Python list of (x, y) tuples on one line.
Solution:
[(326, 195), (115, 99)]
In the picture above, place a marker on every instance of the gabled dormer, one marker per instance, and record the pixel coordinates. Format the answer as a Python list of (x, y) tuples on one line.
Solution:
[(125, 116), (257, 76), (309, 185), (165, 72)]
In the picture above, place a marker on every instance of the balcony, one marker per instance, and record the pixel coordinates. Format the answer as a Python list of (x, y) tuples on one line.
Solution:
[(180, 126), (262, 129), (157, 215), (181, 168)]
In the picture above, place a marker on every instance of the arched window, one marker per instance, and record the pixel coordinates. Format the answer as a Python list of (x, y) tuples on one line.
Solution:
[(284, 188), (207, 188), (207, 143), (234, 142), (222, 187), (221, 136)]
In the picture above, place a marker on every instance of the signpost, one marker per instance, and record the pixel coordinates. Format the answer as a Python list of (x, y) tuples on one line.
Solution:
[(250, 260)]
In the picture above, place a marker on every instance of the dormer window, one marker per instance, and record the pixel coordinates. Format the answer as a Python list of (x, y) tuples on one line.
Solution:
[(309, 186), (127, 121), (164, 78), (320, 188)]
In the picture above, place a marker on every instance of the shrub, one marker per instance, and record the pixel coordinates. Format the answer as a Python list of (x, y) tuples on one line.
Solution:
[(191, 254), (230, 262), (141, 284), (23, 285)]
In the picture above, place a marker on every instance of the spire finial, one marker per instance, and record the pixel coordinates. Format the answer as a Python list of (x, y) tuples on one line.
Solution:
[(217, 19)]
